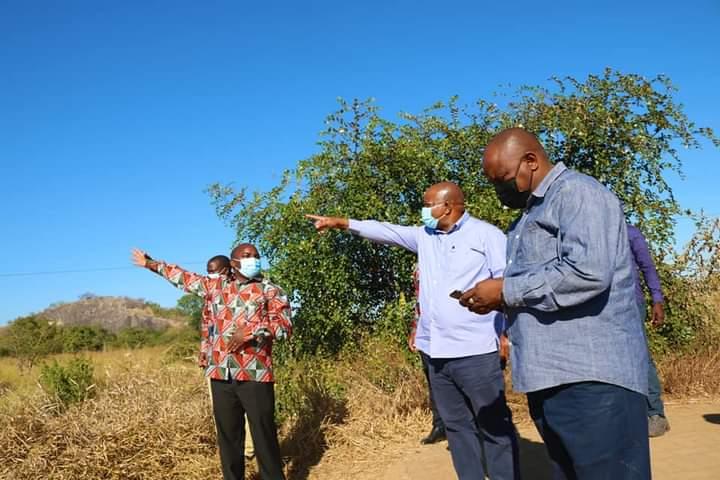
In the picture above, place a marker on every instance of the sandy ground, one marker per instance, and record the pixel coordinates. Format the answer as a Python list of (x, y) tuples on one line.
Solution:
[(690, 451)]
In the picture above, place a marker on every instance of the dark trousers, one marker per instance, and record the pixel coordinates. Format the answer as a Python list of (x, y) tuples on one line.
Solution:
[(655, 404), (593, 431), (654, 399), (232, 400), (436, 419), (470, 396)]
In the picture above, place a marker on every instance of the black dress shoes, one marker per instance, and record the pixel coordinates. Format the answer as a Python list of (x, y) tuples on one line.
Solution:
[(437, 434)]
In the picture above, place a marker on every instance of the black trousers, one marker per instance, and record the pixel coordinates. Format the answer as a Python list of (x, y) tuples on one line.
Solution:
[(232, 400)]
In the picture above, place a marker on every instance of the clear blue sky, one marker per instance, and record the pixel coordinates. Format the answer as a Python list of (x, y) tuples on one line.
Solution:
[(115, 116)]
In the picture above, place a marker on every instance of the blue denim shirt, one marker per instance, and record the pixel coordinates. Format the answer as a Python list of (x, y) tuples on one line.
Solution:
[(570, 291)]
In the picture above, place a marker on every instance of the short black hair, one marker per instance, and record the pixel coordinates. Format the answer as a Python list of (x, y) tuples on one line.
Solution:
[(221, 259)]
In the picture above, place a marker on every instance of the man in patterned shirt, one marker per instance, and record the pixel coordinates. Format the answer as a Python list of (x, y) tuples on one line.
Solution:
[(218, 266), (248, 314)]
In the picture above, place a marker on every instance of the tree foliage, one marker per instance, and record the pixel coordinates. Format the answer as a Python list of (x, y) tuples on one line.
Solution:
[(191, 306), (624, 129), (31, 338)]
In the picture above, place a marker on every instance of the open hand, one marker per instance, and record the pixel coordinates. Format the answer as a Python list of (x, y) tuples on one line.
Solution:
[(138, 257)]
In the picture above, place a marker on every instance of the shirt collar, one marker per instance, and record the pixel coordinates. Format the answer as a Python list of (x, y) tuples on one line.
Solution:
[(457, 225), (552, 175)]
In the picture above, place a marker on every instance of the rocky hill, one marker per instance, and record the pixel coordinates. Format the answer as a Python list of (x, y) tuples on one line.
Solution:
[(111, 313)]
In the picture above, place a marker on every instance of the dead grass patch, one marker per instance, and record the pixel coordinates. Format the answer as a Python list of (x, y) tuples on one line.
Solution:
[(342, 419)]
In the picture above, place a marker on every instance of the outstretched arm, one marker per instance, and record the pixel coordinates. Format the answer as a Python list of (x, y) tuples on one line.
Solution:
[(379, 232), (180, 278)]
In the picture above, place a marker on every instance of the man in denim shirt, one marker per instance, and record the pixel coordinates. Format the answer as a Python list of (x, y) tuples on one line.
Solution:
[(578, 347)]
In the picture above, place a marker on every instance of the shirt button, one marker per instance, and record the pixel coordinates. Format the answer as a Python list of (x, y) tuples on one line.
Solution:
[(509, 262), (517, 236)]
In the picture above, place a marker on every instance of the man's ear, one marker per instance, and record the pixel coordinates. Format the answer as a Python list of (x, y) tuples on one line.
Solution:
[(532, 160)]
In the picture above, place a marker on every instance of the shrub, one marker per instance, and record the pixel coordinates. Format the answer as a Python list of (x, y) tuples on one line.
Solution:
[(78, 338), (135, 337), (68, 383)]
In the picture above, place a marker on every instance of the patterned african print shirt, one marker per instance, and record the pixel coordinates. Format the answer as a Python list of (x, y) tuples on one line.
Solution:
[(232, 304), (205, 321)]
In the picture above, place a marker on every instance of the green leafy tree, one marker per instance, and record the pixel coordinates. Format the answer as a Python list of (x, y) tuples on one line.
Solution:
[(191, 306), (623, 129), (30, 338)]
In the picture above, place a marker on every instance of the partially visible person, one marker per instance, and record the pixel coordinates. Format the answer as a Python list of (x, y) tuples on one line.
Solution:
[(454, 252), (437, 431), (578, 347), (217, 267), (248, 313), (657, 421)]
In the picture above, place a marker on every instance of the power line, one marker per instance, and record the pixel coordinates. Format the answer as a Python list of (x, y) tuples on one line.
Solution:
[(84, 270)]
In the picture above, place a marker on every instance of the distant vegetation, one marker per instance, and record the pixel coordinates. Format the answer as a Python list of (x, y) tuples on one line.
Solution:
[(33, 337)]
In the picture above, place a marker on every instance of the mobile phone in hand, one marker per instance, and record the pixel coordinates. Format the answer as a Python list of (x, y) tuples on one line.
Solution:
[(456, 294)]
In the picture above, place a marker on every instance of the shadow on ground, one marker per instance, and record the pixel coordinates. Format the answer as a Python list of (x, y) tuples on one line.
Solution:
[(534, 462), (712, 418), (305, 444)]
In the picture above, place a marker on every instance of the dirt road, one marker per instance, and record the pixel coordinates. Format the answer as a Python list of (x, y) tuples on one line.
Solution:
[(690, 451)]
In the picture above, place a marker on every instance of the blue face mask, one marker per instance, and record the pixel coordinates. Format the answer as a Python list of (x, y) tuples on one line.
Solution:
[(427, 218), (250, 267)]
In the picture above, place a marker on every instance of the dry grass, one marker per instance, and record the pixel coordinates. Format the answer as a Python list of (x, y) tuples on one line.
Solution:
[(690, 375), (149, 422), (151, 419)]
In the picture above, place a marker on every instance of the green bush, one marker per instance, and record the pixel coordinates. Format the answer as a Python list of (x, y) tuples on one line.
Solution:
[(183, 344), (135, 337), (68, 383), (78, 338)]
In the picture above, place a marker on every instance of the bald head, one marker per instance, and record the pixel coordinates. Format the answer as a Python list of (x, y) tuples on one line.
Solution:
[(244, 250), (515, 162), (446, 192), (447, 203), (507, 149)]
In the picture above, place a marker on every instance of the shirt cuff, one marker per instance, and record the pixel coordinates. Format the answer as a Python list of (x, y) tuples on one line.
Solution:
[(512, 292), (658, 299)]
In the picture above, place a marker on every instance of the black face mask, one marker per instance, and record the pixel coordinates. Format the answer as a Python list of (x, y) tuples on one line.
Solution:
[(509, 195)]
